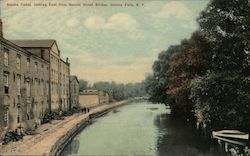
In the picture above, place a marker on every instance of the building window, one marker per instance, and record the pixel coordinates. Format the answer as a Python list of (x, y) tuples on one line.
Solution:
[(42, 54), (47, 87), (28, 88), (14, 103), (18, 85), (36, 86), (6, 83), (42, 66), (18, 61), (14, 77), (36, 66), (28, 63), (18, 118), (28, 117), (42, 113), (6, 117), (18, 115), (6, 57)]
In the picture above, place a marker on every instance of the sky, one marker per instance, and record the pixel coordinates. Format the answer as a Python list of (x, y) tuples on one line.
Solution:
[(106, 43)]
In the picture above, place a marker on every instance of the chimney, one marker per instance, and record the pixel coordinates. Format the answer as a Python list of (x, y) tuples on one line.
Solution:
[(67, 60), (1, 23), (1, 28)]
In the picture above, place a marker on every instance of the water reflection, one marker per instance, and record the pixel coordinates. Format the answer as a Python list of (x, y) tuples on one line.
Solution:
[(72, 148), (153, 108), (140, 129), (181, 139)]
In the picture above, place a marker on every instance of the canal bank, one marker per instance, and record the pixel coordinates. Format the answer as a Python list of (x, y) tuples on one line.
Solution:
[(141, 128), (65, 139), (50, 138)]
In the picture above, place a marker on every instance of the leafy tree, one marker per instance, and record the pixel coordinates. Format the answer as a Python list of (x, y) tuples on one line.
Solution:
[(156, 84), (221, 97), (222, 102), (83, 84), (120, 91), (226, 24), (190, 60)]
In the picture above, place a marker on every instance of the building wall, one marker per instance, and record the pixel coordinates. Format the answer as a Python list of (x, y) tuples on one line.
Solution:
[(74, 93), (40, 52), (25, 109), (104, 97), (88, 100), (2, 111), (93, 97), (59, 72), (64, 74)]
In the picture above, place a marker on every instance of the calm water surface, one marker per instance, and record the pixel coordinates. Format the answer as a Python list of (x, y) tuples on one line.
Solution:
[(141, 129)]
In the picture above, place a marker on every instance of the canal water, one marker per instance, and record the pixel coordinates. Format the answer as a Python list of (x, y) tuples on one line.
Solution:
[(141, 129)]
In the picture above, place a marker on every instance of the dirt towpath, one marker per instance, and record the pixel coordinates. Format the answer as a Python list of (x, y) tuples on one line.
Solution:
[(48, 134)]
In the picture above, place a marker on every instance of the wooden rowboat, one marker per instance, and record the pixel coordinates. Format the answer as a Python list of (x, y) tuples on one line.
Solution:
[(231, 136)]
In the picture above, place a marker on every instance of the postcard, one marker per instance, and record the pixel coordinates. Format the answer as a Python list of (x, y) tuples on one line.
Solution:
[(124, 77)]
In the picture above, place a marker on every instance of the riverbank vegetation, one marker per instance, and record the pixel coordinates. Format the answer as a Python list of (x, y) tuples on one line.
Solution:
[(117, 91), (207, 77), (120, 91)]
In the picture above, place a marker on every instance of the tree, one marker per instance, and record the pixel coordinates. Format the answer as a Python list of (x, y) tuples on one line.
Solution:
[(221, 96), (222, 102), (156, 84), (190, 60), (83, 84), (120, 91), (225, 23)]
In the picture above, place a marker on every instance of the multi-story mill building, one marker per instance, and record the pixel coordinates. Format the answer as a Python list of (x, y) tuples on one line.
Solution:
[(34, 80), (59, 70), (24, 92)]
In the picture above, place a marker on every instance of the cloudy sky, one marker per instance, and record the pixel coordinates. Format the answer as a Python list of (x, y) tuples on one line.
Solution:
[(106, 43)]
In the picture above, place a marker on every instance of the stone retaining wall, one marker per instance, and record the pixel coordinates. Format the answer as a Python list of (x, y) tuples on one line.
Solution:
[(63, 141)]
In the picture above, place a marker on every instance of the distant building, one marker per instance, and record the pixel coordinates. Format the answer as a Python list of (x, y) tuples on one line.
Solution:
[(59, 70), (90, 98), (74, 91), (104, 97)]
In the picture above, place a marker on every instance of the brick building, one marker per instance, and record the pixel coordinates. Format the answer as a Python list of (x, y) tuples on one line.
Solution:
[(74, 91), (24, 93), (64, 85), (59, 70), (91, 98), (34, 80)]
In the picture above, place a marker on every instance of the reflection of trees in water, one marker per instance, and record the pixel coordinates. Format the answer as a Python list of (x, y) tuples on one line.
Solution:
[(71, 148), (181, 139)]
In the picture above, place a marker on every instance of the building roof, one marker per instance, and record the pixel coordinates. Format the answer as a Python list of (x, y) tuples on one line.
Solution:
[(89, 92), (72, 77), (34, 43), (20, 49), (93, 92)]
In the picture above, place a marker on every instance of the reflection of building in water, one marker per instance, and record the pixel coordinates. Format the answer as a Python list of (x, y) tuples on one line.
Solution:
[(89, 98)]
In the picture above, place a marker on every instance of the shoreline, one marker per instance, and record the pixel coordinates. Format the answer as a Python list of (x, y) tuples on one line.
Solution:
[(63, 142), (51, 138)]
